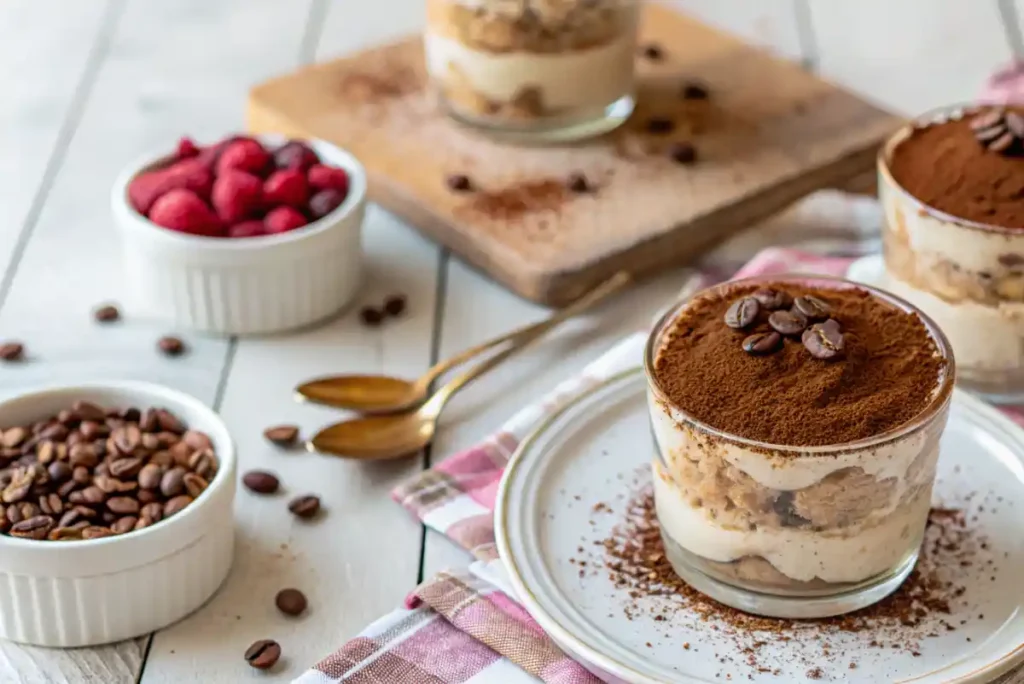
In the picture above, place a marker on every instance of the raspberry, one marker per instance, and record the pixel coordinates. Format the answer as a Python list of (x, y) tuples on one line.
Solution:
[(323, 177), (286, 187), (246, 229), (186, 149), (324, 202), (189, 174), (183, 210), (295, 155), (237, 196), (283, 219), (244, 154)]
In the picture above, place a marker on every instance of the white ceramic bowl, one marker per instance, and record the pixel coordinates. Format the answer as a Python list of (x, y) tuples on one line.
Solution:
[(80, 593), (248, 285)]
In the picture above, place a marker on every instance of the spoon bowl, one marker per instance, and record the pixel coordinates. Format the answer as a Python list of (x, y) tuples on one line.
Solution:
[(376, 437), (364, 393)]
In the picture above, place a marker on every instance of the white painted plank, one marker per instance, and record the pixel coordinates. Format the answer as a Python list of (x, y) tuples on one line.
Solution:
[(770, 24), (910, 56), (361, 558)]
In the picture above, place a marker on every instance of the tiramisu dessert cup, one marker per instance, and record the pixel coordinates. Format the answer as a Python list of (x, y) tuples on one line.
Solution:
[(796, 421), (952, 188), (534, 69)]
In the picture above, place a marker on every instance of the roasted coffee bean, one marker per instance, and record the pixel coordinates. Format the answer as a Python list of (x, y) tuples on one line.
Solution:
[(173, 482), (762, 343), (96, 532), (33, 528), (176, 505), (742, 313), (812, 307), (88, 411), (17, 490), (824, 341), (69, 517), (67, 487), (127, 438), (260, 481), (83, 455), (51, 504), (263, 654), (683, 153), (290, 601), (171, 346), (68, 419), (579, 184), (180, 453), (147, 420), (660, 125), (282, 435), (194, 484), (197, 440), (13, 514), (14, 437), (29, 510), (150, 442), (81, 475), (146, 496), (150, 476), (106, 314), (12, 351), (394, 305), (162, 459), (168, 422), (125, 467), (695, 91), (123, 505), (370, 316), (88, 496), (787, 322), (125, 524), (202, 463), (153, 511), (305, 506), (65, 534), (54, 431), (772, 299), (459, 183)]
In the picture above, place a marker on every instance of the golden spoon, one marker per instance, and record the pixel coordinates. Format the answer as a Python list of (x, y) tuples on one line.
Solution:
[(385, 394), (402, 434)]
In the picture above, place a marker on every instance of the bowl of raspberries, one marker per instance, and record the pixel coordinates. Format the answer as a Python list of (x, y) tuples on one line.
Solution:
[(247, 235)]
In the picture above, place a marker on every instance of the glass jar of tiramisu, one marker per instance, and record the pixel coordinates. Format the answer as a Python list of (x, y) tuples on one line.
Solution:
[(952, 189), (534, 70), (797, 423)]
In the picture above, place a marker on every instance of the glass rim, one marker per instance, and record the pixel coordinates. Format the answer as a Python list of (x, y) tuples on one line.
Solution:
[(931, 117), (940, 398)]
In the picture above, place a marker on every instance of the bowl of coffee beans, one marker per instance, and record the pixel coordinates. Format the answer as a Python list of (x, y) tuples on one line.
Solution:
[(108, 490)]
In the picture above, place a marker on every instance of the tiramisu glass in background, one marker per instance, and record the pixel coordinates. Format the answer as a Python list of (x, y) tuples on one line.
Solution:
[(952, 188), (534, 70), (797, 424)]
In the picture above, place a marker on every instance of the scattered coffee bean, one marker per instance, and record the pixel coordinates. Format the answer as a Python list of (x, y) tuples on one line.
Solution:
[(261, 482), (394, 305), (290, 601), (11, 351), (578, 183), (653, 52), (773, 299), (812, 307), (683, 153), (695, 91), (762, 343), (459, 183), (305, 506), (282, 435), (742, 313), (106, 314), (171, 346), (660, 125), (263, 654), (787, 322), (824, 341), (370, 316)]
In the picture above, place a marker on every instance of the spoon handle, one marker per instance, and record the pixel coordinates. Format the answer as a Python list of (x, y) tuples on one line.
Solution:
[(519, 339)]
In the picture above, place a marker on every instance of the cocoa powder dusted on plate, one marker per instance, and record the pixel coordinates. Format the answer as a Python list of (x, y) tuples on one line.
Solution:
[(523, 198), (888, 372)]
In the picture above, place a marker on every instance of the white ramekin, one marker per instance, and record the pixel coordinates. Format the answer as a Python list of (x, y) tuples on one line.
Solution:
[(81, 593), (247, 285)]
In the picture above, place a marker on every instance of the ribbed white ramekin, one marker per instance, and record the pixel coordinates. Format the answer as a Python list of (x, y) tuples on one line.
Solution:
[(80, 593), (247, 285)]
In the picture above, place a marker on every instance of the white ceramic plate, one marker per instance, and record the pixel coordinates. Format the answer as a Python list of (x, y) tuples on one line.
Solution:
[(869, 270), (592, 450)]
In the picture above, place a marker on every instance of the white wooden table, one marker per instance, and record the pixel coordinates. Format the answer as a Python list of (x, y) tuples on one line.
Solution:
[(86, 85)]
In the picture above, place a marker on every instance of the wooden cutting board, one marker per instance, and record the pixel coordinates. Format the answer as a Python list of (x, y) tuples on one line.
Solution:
[(769, 134)]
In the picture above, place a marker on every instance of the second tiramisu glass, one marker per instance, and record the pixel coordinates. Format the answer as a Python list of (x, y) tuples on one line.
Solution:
[(534, 70), (790, 522)]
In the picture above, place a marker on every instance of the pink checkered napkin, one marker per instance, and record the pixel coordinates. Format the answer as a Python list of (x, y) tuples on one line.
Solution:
[(458, 628)]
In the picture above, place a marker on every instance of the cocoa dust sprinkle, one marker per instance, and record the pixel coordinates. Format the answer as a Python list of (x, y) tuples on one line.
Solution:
[(521, 199)]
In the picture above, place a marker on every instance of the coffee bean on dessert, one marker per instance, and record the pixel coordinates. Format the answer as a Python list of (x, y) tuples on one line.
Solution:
[(762, 343), (742, 313), (106, 314), (11, 351), (305, 506), (261, 482), (660, 125), (171, 346), (787, 322), (394, 305), (772, 299), (695, 91), (290, 601), (653, 52), (812, 307), (459, 183), (263, 654), (578, 183), (683, 153), (282, 435), (370, 316), (824, 341)]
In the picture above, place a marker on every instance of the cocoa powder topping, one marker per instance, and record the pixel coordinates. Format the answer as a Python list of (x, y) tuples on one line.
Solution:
[(944, 166), (888, 372)]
